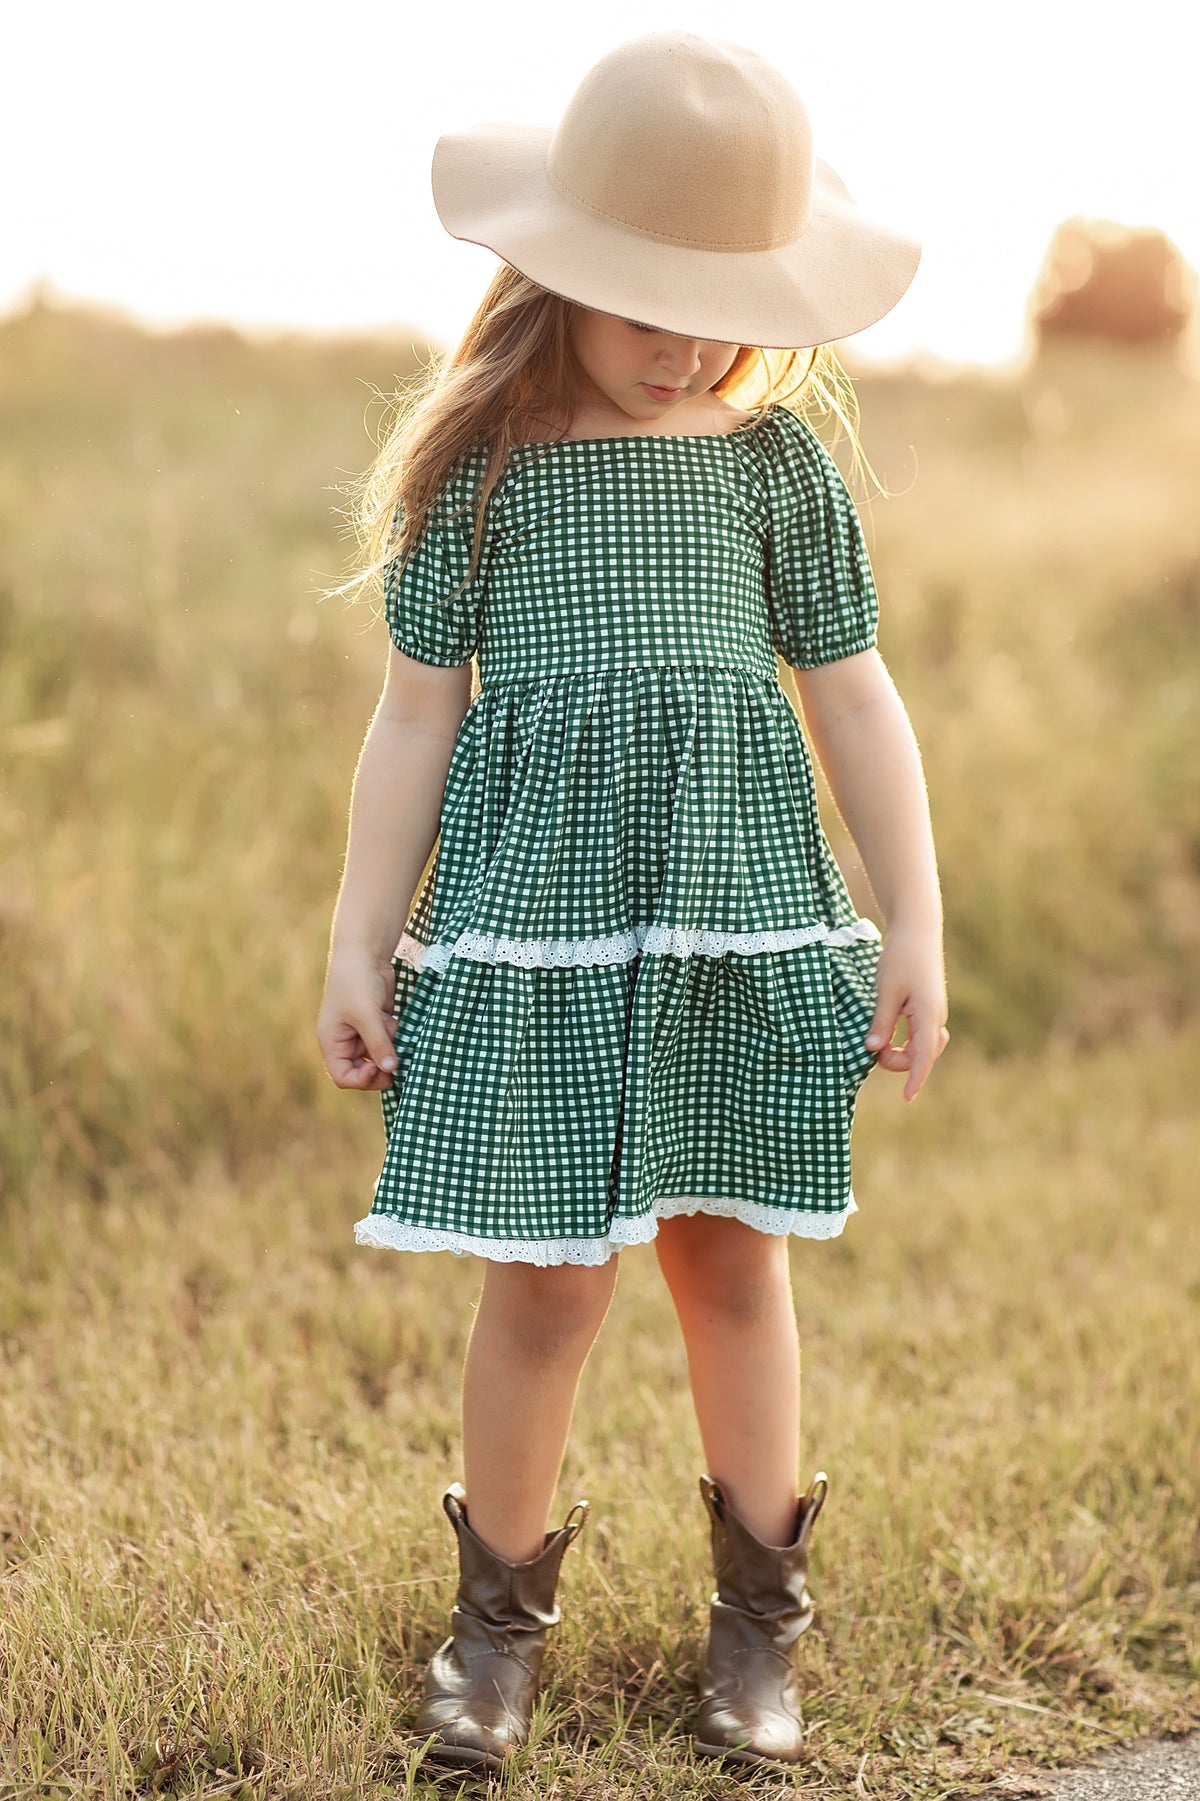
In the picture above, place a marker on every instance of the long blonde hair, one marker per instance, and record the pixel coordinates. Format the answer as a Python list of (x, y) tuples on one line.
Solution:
[(512, 379)]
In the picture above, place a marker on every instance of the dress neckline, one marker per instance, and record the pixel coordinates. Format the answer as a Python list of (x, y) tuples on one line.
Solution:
[(651, 437)]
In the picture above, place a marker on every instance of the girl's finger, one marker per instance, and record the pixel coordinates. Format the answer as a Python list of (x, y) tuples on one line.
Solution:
[(926, 1046), (887, 1018), (916, 1080), (345, 1074), (366, 1074), (372, 1045), (350, 1062)]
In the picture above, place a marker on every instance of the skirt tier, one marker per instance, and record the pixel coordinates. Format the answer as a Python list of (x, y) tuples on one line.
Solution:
[(632, 984)]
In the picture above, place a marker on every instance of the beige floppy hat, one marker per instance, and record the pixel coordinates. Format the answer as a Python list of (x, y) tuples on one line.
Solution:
[(680, 190)]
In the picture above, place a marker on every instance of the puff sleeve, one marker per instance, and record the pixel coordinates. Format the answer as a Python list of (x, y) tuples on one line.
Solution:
[(434, 613), (820, 586)]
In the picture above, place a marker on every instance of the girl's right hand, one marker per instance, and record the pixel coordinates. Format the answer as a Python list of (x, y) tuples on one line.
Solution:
[(355, 1024)]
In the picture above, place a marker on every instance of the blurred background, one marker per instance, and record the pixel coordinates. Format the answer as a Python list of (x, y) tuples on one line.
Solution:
[(276, 174), (218, 255), (222, 251)]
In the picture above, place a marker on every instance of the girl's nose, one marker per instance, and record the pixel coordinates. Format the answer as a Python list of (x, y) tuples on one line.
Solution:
[(681, 356)]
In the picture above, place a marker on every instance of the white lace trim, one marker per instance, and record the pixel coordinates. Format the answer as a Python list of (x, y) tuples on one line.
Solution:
[(384, 1233), (620, 947)]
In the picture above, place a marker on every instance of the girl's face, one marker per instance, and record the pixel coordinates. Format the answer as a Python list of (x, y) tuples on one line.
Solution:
[(643, 372)]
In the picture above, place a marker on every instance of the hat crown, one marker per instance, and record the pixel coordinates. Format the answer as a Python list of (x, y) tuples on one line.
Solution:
[(688, 141)]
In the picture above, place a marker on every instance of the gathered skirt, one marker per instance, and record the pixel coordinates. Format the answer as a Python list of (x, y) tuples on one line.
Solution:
[(633, 983)]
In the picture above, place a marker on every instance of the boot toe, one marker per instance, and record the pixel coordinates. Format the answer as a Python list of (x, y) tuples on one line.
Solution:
[(766, 1737), (460, 1738), (480, 1722), (450, 1751)]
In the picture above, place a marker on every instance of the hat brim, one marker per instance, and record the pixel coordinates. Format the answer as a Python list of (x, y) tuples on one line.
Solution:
[(490, 187)]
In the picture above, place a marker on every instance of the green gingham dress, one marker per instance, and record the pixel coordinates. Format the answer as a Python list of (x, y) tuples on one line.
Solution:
[(632, 983)]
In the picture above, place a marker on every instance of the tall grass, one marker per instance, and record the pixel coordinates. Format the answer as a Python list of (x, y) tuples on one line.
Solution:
[(1041, 584), (225, 1428), (179, 716), (179, 724)]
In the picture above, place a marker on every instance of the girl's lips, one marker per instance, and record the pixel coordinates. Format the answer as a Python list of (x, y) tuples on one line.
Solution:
[(661, 393)]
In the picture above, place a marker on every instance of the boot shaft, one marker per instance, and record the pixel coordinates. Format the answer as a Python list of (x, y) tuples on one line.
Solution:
[(506, 1595), (758, 1579)]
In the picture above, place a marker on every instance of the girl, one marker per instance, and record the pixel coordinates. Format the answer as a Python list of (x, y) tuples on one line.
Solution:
[(632, 1000)]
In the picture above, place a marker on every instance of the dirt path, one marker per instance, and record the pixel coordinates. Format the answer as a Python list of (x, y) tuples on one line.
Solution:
[(1165, 1769)]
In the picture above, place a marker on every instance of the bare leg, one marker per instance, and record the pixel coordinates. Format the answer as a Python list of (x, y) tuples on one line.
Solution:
[(532, 1333), (732, 1290)]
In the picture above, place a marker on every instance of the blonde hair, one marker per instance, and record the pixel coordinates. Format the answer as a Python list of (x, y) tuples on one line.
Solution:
[(512, 379)]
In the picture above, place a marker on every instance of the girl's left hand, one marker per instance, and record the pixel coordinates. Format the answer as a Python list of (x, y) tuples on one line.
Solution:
[(910, 984)]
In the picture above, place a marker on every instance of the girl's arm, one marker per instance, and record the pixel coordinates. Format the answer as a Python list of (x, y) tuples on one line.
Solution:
[(867, 749), (395, 814)]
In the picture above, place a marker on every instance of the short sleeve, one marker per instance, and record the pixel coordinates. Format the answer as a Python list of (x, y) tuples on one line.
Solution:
[(820, 586), (434, 612)]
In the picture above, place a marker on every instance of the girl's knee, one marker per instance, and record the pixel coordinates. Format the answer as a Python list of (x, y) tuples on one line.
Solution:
[(723, 1265), (549, 1309)]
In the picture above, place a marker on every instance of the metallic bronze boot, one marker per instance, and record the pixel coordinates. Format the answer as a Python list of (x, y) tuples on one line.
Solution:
[(482, 1682), (749, 1694)]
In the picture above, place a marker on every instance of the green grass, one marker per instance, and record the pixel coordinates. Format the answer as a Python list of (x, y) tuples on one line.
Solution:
[(224, 1428)]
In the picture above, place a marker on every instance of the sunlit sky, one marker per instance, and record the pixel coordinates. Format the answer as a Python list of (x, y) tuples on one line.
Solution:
[(268, 164)]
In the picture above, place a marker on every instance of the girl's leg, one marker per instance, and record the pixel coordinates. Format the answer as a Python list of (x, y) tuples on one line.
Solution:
[(732, 1290), (532, 1333)]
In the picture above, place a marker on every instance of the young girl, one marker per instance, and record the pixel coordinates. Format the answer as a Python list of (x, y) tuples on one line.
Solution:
[(632, 1000)]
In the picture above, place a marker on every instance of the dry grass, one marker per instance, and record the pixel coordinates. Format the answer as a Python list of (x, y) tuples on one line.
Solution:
[(225, 1428), (228, 1429)]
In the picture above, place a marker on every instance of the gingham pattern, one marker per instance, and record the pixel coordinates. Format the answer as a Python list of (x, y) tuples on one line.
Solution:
[(633, 983)]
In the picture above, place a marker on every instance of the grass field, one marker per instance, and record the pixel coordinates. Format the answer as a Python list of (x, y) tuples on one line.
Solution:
[(224, 1428)]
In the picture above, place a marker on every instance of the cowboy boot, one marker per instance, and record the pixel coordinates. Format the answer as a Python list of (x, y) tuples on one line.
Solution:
[(481, 1684), (749, 1695)]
